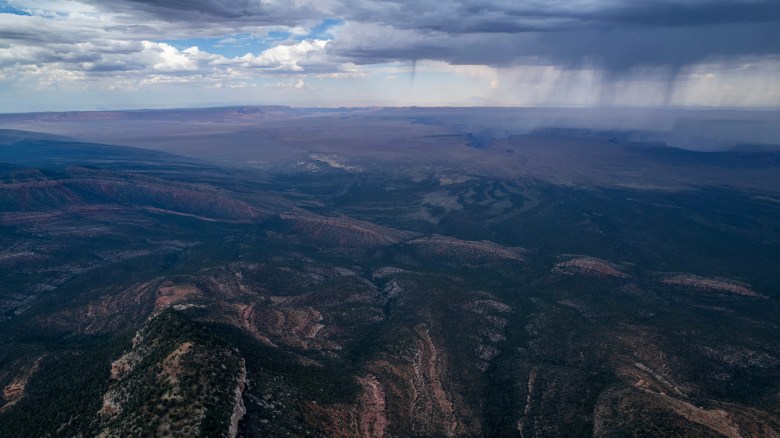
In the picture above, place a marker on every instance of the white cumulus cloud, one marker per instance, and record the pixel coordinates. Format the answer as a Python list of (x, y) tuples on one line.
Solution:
[(292, 57)]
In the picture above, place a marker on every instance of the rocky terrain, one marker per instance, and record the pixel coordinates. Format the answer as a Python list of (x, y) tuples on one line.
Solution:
[(166, 388), (143, 294)]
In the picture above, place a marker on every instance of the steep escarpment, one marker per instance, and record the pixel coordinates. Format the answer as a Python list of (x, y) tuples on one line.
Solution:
[(89, 187)]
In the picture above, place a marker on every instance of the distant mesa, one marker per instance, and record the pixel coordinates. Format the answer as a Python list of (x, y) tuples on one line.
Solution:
[(712, 285), (183, 114), (465, 250), (10, 136), (589, 266)]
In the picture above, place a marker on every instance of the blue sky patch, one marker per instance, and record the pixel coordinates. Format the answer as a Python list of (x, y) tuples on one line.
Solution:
[(229, 46), (5, 9), (235, 45), (320, 31)]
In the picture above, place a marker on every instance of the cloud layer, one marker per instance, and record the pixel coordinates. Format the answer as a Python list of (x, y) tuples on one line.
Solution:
[(662, 44)]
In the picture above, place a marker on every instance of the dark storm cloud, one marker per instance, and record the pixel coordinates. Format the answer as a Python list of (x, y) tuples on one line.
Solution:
[(509, 16), (614, 49), (211, 12), (623, 48), (179, 9), (692, 13), (613, 35)]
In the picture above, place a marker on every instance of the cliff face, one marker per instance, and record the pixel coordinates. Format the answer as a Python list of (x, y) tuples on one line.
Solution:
[(239, 410)]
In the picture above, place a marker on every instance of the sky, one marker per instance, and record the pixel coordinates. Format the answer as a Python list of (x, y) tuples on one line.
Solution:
[(117, 54)]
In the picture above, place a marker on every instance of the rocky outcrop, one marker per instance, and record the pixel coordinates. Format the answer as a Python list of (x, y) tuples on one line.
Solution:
[(372, 419), (172, 366), (523, 423), (120, 367), (365, 418), (654, 392), (343, 231), (647, 404), (14, 391), (247, 320), (589, 266), (112, 311), (293, 326), (711, 285), (414, 386), (239, 410), (466, 251), (86, 187), (491, 325), (169, 294), (616, 406), (386, 271), (433, 404), (175, 380), (740, 357)]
